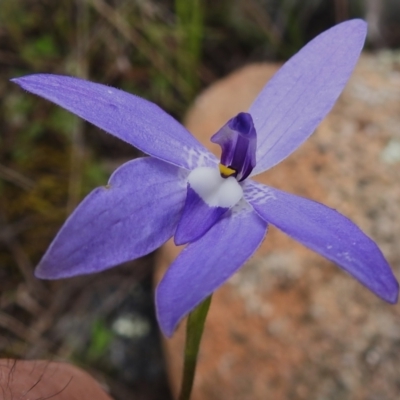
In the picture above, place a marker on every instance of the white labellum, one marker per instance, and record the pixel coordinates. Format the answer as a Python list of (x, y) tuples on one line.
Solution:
[(214, 190)]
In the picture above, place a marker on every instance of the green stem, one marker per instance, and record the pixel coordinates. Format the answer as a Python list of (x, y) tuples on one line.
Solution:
[(194, 331)]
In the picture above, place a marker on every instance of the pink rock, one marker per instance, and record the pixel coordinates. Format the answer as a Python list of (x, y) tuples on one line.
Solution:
[(291, 325)]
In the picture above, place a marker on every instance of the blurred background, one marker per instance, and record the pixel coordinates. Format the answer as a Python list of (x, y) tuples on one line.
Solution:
[(165, 51)]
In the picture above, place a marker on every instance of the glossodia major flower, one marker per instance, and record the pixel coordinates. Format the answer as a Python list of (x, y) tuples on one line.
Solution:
[(211, 205)]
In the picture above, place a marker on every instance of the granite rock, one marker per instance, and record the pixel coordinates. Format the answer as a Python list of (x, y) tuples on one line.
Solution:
[(290, 324)]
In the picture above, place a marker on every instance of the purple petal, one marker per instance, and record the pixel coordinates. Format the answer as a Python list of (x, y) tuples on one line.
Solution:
[(206, 264), (132, 216), (327, 232), (128, 117), (238, 141), (303, 91), (196, 219)]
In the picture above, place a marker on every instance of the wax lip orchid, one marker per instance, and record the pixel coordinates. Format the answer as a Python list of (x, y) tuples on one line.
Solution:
[(182, 190)]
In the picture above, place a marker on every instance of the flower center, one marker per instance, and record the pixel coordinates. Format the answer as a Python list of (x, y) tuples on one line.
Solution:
[(226, 172), (221, 188), (212, 192), (209, 196), (238, 141), (213, 189)]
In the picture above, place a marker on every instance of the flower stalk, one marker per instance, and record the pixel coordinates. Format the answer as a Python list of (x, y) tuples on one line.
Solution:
[(194, 332)]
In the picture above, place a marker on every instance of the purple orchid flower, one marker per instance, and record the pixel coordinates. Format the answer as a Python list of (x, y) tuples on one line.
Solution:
[(182, 190)]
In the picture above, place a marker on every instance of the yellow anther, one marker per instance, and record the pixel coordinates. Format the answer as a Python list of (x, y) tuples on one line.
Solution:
[(226, 171)]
